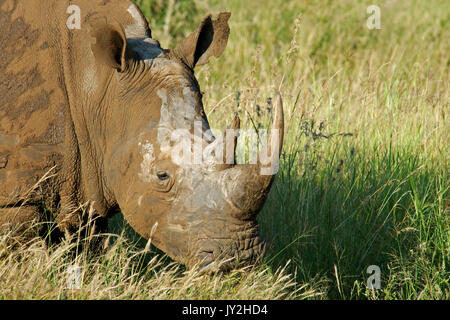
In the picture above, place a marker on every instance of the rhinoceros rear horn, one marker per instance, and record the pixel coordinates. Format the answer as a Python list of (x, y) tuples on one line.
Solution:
[(110, 46), (210, 39), (249, 185)]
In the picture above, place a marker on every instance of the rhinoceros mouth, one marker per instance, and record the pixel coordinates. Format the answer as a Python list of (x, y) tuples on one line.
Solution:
[(228, 254)]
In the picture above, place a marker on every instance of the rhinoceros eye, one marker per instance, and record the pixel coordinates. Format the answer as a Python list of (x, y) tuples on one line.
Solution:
[(162, 175)]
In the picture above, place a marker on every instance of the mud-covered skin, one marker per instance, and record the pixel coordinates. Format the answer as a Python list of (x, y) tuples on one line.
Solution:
[(98, 106), (42, 111), (29, 145)]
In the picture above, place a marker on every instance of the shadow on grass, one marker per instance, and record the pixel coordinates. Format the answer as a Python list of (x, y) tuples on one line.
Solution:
[(335, 216), (118, 225)]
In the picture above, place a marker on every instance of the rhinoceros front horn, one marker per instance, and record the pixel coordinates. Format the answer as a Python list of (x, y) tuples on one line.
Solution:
[(249, 185)]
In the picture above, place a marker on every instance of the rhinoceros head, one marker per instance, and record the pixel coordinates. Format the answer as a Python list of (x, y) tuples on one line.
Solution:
[(193, 206)]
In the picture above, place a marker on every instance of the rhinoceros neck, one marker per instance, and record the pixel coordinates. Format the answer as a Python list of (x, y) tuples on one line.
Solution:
[(89, 93), (92, 88)]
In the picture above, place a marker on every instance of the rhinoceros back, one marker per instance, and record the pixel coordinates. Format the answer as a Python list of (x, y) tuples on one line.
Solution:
[(33, 106)]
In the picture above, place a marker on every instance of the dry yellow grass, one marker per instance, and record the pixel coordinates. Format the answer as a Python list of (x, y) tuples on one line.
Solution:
[(126, 271)]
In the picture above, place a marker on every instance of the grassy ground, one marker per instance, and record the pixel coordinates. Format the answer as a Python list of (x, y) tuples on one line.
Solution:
[(364, 172)]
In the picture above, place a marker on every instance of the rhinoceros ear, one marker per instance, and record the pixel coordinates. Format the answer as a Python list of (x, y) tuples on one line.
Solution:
[(210, 39), (111, 45)]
